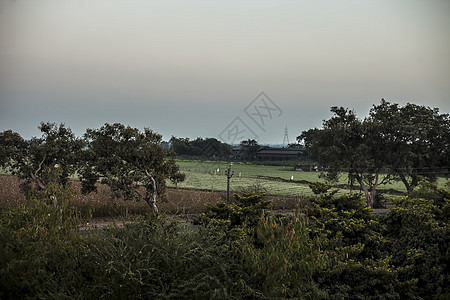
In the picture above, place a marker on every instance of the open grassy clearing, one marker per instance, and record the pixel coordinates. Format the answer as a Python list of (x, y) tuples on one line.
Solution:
[(210, 175), (245, 169), (276, 180), (219, 183)]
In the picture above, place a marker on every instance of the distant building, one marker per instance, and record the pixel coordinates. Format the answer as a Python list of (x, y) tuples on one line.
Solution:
[(271, 153), (238, 152)]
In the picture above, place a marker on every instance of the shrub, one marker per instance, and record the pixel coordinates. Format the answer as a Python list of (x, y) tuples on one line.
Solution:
[(418, 230), (358, 265), (246, 208), (344, 224), (279, 260), (40, 250), (153, 259)]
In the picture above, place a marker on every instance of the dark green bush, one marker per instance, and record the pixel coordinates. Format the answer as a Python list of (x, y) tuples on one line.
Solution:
[(404, 255), (245, 207), (335, 248), (346, 278), (279, 260), (277, 257), (154, 259), (344, 224), (358, 265), (40, 250), (418, 231)]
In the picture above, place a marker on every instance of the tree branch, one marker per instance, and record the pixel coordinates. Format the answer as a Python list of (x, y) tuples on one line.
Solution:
[(35, 174), (40, 165)]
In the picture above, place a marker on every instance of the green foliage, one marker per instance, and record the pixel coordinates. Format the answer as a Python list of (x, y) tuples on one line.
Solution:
[(344, 145), (336, 249), (393, 143), (279, 260), (40, 250), (438, 196), (345, 225), (50, 159), (249, 149), (380, 200), (246, 208), (414, 139), (419, 233), (404, 255), (126, 159), (277, 257), (358, 265), (367, 279), (150, 259), (320, 188), (209, 148)]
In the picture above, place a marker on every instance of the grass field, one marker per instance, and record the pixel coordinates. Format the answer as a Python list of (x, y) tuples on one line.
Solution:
[(211, 176), (205, 183), (276, 180)]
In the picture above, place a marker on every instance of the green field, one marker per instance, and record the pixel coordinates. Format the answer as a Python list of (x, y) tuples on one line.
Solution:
[(210, 175)]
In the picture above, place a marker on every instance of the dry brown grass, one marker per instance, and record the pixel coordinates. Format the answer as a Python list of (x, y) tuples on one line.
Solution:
[(10, 194), (181, 203)]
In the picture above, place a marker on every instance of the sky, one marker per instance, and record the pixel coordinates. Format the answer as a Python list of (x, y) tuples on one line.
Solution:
[(231, 69)]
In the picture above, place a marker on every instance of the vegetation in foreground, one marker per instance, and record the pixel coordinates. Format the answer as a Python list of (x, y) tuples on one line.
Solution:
[(331, 248)]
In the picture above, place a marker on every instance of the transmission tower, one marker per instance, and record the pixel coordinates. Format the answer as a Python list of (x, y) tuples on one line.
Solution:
[(286, 137)]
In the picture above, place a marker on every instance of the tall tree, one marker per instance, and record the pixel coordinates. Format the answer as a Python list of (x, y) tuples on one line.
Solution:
[(51, 158), (181, 146), (211, 148), (417, 139), (250, 148), (392, 143), (207, 147), (344, 144), (132, 163)]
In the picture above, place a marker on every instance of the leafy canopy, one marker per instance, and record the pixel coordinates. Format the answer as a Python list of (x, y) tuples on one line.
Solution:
[(132, 163), (49, 159), (393, 143)]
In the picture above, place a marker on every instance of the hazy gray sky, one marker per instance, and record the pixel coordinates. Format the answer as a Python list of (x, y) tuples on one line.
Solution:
[(195, 68)]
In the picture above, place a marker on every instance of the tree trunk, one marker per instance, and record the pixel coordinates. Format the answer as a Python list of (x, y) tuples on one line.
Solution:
[(414, 182), (369, 198), (151, 199), (369, 191), (409, 185), (39, 182), (152, 202), (405, 181)]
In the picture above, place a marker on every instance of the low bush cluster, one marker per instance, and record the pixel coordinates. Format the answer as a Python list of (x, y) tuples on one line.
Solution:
[(402, 255), (331, 248)]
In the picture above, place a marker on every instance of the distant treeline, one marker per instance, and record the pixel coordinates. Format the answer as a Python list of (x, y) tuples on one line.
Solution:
[(201, 147)]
